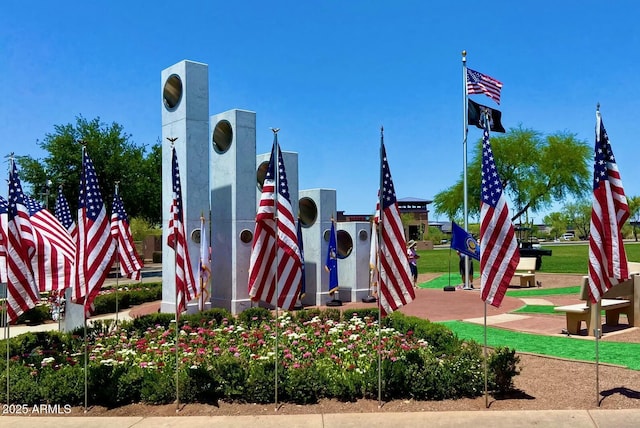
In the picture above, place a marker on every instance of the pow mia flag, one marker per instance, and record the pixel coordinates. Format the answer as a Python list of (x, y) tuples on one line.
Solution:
[(476, 114)]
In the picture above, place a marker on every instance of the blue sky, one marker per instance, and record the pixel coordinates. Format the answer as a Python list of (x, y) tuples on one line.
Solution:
[(330, 74)]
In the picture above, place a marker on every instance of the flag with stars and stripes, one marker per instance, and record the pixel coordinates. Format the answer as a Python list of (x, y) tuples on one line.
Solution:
[(63, 214), (396, 281), (22, 289), (53, 265), (499, 254), (186, 289), (128, 258), (478, 83), (275, 252), (610, 210), (95, 247)]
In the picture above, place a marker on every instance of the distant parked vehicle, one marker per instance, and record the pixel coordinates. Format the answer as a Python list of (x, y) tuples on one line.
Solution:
[(567, 236)]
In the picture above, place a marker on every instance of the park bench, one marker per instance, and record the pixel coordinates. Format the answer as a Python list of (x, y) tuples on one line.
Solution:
[(623, 298), (526, 271)]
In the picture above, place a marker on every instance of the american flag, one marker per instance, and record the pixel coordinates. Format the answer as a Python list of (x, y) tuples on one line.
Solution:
[(22, 289), (130, 263), (4, 214), (53, 266), (478, 83), (275, 241), (185, 283), (607, 257), (331, 264), (95, 248), (396, 283), (499, 255), (63, 214), (303, 282)]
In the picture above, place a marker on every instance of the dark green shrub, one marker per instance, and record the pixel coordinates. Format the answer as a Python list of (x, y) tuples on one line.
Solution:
[(129, 386), (467, 368), (34, 316), (158, 386), (304, 385), (103, 382), (307, 314), (502, 367), (215, 315), (260, 387), (23, 385), (63, 386), (441, 339), (199, 385), (255, 316), (231, 376), (143, 323), (362, 313)]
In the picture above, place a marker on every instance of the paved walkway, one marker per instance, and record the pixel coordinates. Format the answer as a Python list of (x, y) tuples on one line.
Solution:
[(498, 419)]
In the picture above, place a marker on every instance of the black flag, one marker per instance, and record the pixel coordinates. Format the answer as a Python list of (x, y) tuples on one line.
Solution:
[(477, 111)]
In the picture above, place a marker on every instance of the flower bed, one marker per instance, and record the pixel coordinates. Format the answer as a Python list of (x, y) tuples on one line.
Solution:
[(312, 354)]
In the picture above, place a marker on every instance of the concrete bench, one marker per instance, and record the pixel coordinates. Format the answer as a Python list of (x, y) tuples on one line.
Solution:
[(582, 312), (526, 271), (623, 298)]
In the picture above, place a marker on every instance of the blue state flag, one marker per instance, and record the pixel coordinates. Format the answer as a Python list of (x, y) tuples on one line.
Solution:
[(332, 260), (462, 241)]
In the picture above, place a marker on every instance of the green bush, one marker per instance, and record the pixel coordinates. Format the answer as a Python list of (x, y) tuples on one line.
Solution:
[(143, 323), (304, 385), (36, 315), (362, 313), (63, 386), (214, 315), (158, 386), (231, 377), (260, 382), (255, 316), (23, 385), (502, 368)]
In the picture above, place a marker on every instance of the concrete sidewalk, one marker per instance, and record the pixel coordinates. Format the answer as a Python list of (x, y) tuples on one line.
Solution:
[(499, 419)]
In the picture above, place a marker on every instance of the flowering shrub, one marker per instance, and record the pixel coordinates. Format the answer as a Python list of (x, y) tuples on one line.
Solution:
[(314, 355)]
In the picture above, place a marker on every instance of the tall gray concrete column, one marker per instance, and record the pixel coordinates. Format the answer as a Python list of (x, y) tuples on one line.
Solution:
[(185, 117), (233, 210)]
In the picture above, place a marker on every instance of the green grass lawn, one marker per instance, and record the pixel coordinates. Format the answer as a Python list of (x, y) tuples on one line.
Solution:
[(566, 258)]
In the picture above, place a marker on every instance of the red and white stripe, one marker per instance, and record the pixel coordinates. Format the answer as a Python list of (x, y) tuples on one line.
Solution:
[(270, 244), (610, 210), (130, 263), (499, 254), (396, 283), (22, 290)]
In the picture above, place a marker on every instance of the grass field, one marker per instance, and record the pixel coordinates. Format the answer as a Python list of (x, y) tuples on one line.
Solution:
[(566, 258)]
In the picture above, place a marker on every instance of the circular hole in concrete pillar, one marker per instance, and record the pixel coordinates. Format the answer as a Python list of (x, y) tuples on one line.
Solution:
[(344, 243), (196, 235), (246, 236), (326, 234), (222, 136), (261, 173), (172, 92), (363, 235), (307, 211)]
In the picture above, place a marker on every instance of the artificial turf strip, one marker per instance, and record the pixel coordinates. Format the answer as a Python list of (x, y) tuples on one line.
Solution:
[(444, 280), (537, 309), (534, 292), (623, 354)]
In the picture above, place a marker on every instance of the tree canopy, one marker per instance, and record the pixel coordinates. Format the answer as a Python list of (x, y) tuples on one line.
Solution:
[(115, 158), (535, 172)]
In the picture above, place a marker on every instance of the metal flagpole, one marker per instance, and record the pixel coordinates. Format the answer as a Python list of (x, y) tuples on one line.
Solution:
[(597, 332), (276, 154), (201, 299), (380, 244), (117, 260), (465, 132)]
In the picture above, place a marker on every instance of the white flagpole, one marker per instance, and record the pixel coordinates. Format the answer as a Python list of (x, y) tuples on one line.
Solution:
[(380, 244), (276, 154), (465, 132), (117, 259)]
